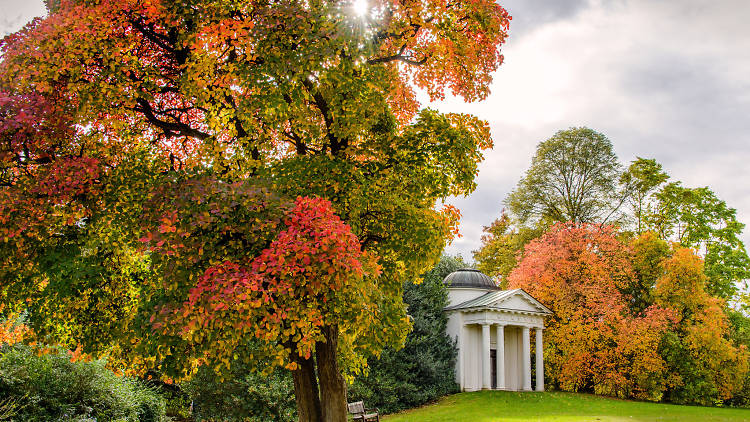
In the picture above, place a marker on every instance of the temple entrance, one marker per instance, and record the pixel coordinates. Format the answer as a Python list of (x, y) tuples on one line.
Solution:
[(493, 365)]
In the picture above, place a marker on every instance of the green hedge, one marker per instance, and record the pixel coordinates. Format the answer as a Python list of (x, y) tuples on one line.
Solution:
[(52, 388)]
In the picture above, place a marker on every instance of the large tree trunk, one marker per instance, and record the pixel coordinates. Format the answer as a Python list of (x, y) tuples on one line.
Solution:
[(332, 384), (306, 391)]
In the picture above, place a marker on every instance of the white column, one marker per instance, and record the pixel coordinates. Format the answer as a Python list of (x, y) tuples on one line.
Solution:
[(539, 361), (460, 375), (526, 353), (500, 355), (486, 382)]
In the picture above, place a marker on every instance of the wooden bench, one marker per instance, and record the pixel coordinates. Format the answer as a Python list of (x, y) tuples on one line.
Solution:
[(359, 413)]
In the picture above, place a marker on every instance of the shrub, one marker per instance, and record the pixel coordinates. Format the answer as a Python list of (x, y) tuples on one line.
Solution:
[(424, 369), (52, 388), (242, 395)]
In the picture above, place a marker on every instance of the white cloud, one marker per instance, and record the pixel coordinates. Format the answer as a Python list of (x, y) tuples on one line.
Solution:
[(667, 80)]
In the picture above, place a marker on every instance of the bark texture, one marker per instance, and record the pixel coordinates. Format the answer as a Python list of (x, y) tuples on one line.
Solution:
[(332, 384), (306, 392)]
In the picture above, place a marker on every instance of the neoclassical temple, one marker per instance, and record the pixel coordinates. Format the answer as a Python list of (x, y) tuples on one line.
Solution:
[(492, 328)]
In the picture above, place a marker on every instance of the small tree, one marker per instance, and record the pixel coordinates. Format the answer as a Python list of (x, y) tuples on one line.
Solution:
[(424, 369)]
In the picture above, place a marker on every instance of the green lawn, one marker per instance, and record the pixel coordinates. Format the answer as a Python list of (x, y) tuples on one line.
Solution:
[(496, 406)]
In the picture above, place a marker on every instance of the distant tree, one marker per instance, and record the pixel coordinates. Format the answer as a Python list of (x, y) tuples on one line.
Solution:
[(632, 320), (641, 179), (573, 177), (502, 245), (424, 369), (697, 218)]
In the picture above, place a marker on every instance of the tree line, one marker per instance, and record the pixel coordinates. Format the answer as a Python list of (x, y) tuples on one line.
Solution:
[(646, 277)]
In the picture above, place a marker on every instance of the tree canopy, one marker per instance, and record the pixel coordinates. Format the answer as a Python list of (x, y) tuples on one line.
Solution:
[(573, 177), (630, 319), (576, 177), (172, 173)]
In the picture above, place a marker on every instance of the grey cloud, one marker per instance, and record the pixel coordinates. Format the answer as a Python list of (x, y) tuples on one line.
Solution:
[(531, 14)]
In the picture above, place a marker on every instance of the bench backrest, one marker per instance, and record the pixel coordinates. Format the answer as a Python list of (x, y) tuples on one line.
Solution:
[(357, 407)]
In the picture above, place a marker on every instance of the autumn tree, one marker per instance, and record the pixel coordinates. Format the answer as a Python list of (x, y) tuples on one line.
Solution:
[(631, 320), (502, 244), (593, 342), (574, 177), (697, 218), (194, 184), (706, 366)]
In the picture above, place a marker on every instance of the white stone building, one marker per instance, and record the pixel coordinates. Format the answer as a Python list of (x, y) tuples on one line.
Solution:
[(492, 328)]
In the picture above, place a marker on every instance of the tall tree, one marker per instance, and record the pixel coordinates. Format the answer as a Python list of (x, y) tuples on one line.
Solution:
[(573, 177), (641, 179), (207, 118), (697, 218)]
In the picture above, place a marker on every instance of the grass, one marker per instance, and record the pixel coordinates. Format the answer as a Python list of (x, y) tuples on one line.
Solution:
[(501, 406)]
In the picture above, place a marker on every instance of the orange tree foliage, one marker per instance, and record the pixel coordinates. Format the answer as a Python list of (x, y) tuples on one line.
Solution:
[(593, 343), (116, 113), (630, 319), (707, 368)]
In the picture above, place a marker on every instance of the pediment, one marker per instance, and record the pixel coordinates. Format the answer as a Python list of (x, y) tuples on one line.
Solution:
[(516, 300), (521, 301)]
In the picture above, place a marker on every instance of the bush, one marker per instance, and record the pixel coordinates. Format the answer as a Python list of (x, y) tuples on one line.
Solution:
[(242, 396), (52, 388), (424, 369)]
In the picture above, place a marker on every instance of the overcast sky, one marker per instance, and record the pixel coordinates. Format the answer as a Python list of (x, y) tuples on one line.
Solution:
[(663, 79)]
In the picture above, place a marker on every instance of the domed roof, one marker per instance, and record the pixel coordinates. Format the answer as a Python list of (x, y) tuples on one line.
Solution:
[(469, 277)]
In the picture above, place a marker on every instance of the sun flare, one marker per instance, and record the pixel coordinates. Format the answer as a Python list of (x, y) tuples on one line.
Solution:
[(360, 7)]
